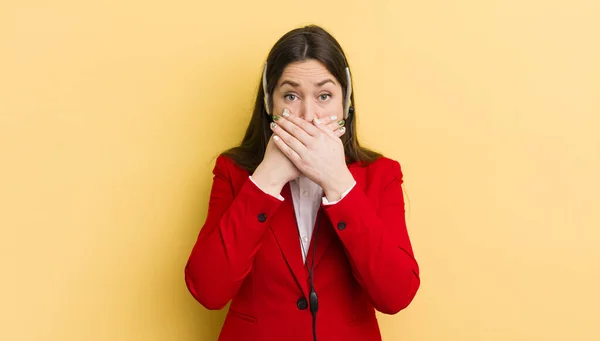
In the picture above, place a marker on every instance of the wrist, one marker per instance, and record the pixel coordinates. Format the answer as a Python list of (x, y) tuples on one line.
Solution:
[(267, 180), (337, 186)]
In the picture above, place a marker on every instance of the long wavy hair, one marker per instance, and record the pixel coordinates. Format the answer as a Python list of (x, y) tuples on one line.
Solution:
[(306, 43)]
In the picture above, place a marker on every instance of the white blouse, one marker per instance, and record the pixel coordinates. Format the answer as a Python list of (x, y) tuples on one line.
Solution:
[(307, 197)]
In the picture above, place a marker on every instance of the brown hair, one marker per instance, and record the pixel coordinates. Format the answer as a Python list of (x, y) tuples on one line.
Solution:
[(309, 42)]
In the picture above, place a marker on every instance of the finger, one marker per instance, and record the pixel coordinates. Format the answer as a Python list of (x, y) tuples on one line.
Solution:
[(336, 124), (305, 125), (286, 150), (323, 127), (291, 141), (340, 132), (296, 127)]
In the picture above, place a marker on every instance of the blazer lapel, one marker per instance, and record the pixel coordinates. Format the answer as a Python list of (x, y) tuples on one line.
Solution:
[(325, 235), (288, 238)]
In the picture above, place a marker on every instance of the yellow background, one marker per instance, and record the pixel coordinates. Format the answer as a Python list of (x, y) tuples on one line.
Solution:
[(111, 114)]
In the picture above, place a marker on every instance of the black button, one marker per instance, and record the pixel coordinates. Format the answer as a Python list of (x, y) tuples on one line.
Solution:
[(262, 217), (341, 225), (302, 303)]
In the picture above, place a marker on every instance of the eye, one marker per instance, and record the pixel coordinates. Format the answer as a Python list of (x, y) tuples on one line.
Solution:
[(324, 97), (290, 97)]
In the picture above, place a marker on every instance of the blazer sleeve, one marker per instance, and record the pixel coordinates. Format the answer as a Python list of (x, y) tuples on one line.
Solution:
[(229, 239), (377, 243)]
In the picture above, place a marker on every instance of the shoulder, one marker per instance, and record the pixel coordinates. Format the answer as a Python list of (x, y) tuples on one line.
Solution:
[(226, 168), (222, 164), (382, 171), (226, 164), (383, 164)]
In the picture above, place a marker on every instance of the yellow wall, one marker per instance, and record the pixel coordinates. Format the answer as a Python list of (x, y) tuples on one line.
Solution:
[(111, 113)]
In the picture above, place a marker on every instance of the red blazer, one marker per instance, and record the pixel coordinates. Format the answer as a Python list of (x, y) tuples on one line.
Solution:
[(248, 252)]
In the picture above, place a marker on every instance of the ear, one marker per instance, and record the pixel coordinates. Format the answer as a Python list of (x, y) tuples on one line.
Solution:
[(350, 115)]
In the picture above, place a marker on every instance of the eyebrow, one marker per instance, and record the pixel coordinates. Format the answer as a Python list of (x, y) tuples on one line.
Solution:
[(295, 85), (323, 82)]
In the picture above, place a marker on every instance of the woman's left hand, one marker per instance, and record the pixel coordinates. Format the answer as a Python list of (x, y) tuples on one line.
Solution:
[(316, 151)]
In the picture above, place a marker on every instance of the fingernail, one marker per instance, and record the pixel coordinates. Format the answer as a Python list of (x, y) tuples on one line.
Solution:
[(317, 121), (333, 118), (276, 117), (342, 122), (286, 113), (343, 130), (276, 138), (273, 125)]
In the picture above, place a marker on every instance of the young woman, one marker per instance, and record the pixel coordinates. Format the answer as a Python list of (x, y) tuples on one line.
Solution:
[(305, 233)]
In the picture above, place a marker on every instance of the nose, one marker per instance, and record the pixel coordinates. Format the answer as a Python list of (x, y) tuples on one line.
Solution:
[(307, 111)]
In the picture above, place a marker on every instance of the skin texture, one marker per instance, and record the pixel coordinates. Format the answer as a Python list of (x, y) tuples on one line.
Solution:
[(306, 135)]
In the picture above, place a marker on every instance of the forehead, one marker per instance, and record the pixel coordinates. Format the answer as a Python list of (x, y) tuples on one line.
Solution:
[(309, 70)]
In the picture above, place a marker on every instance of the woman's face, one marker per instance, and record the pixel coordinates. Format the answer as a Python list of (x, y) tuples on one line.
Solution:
[(308, 90)]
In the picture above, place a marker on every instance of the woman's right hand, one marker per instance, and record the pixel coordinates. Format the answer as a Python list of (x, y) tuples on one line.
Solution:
[(274, 171)]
